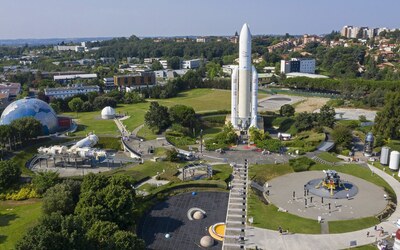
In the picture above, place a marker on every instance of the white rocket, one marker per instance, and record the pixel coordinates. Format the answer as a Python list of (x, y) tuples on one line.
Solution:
[(244, 86)]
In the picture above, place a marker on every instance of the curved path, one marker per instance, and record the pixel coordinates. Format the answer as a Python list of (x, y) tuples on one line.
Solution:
[(271, 239)]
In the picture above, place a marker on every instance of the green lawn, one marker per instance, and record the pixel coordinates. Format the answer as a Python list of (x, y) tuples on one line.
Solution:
[(15, 222), (351, 225), (201, 100), (328, 157), (267, 172), (146, 133), (267, 216), (147, 169)]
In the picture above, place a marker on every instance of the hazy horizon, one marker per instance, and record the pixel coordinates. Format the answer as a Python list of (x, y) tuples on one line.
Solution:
[(43, 19)]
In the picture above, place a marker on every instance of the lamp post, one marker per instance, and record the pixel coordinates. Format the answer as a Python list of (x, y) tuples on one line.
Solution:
[(201, 141)]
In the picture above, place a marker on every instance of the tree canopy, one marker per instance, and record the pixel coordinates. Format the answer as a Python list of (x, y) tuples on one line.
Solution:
[(387, 121)]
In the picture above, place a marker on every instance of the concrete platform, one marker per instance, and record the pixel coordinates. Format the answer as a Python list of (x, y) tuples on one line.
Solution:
[(369, 200)]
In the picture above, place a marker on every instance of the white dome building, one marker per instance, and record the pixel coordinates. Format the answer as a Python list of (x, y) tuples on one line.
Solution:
[(108, 113)]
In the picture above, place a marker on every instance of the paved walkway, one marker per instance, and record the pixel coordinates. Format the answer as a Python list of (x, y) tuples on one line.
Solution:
[(271, 239)]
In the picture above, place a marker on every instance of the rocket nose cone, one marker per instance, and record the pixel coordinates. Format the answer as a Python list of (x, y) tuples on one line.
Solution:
[(245, 31)]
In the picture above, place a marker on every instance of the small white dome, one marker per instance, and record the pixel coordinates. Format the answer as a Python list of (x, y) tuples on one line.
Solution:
[(108, 113)]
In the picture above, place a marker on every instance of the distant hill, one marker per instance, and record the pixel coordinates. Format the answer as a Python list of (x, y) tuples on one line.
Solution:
[(49, 41)]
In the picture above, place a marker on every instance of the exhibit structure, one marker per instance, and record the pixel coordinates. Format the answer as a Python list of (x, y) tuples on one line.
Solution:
[(244, 88)]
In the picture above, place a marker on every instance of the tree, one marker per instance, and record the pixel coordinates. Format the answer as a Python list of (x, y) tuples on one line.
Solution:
[(44, 180), (156, 65), (174, 62), (124, 240), (61, 198), (55, 232), (55, 107), (103, 101), (287, 110), (326, 116), (75, 104), (304, 121), (101, 233), (157, 117), (342, 137), (9, 174), (133, 97), (362, 118), (108, 199), (183, 115), (5, 134), (172, 155), (87, 106), (387, 121), (27, 128), (213, 69)]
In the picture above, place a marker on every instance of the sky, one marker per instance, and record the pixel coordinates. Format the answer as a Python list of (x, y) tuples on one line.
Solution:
[(116, 18)]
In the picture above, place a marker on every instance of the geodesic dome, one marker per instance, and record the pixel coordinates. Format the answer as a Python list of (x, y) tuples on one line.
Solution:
[(31, 107)]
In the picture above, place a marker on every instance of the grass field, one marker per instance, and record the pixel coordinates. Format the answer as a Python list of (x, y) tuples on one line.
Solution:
[(147, 169), (351, 225), (15, 219), (201, 100), (267, 216), (328, 157)]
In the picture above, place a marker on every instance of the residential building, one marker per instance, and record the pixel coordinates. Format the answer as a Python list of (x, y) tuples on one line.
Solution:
[(191, 64), (301, 65), (70, 91), (11, 88), (138, 80), (202, 39)]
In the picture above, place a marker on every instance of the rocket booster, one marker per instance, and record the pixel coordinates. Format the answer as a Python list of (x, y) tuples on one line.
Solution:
[(234, 97)]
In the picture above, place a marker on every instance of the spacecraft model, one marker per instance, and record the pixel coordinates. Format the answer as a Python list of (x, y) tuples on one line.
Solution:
[(244, 86)]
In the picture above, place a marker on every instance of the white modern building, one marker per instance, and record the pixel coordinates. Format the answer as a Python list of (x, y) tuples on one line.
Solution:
[(301, 65), (75, 48), (191, 64), (65, 78), (70, 91)]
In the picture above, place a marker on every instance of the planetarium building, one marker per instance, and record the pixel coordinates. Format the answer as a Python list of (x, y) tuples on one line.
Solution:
[(37, 109)]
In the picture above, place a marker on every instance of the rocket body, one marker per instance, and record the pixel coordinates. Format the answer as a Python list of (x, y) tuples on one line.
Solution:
[(244, 85)]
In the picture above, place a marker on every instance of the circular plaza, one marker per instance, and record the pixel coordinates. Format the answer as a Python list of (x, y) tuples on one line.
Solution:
[(301, 194)]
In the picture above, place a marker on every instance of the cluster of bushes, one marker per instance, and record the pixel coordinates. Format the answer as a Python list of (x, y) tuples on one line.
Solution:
[(25, 192), (301, 164)]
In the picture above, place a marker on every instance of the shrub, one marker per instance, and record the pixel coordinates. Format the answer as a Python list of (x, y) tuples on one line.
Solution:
[(301, 164)]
